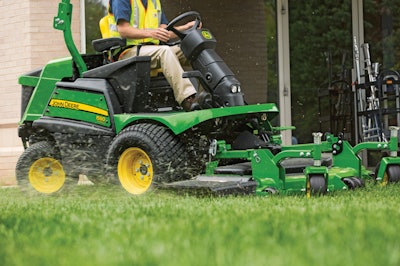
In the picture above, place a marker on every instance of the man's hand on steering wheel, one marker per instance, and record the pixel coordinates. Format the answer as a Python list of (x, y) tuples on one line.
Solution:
[(184, 27), (183, 30)]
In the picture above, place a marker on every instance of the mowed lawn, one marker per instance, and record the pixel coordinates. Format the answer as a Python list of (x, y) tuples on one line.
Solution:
[(106, 226)]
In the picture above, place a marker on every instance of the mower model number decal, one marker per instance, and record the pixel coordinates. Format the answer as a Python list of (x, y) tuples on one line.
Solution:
[(101, 119), (77, 106)]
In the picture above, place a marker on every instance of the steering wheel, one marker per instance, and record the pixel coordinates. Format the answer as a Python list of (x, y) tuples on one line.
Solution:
[(182, 34)]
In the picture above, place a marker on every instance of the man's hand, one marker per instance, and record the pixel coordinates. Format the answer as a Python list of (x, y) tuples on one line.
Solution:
[(184, 27), (187, 26), (160, 34)]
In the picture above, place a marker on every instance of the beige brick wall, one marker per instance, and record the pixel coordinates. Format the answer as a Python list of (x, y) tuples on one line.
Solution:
[(27, 41)]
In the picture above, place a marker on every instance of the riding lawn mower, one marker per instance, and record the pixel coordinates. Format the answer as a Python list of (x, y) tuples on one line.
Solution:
[(114, 120)]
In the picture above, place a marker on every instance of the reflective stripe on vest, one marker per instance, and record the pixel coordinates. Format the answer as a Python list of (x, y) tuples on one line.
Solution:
[(141, 18)]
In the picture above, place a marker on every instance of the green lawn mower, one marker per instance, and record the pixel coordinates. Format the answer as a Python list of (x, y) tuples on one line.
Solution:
[(116, 121)]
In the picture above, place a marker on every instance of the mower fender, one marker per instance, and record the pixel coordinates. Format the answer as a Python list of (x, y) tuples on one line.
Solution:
[(53, 72), (179, 122)]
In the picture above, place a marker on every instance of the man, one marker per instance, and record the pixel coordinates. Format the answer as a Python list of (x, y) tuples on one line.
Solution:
[(143, 21)]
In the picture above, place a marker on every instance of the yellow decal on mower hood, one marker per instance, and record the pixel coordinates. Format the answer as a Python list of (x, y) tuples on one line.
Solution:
[(77, 106)]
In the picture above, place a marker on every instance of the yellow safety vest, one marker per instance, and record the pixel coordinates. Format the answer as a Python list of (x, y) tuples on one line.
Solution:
[(141, 18)]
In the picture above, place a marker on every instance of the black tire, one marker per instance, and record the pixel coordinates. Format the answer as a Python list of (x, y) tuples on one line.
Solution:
[(146, 154), (40, 168), (358, 181), (393, 173), (318, 185), (350, 183), (271, 191)]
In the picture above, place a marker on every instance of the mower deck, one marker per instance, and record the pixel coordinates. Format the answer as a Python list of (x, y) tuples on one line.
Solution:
[(235, 179)]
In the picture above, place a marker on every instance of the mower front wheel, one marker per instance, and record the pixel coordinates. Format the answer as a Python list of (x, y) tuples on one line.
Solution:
[(145, 154), (135, 170), (39, 167)]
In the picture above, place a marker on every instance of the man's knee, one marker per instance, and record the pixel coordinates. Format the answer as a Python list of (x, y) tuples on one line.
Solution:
[(165, 50)]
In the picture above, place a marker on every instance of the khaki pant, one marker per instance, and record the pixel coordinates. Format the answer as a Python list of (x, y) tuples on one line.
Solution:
[(169, 59)]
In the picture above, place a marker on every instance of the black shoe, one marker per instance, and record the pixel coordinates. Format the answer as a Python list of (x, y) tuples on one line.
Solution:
[(204, 99), (190, 103)]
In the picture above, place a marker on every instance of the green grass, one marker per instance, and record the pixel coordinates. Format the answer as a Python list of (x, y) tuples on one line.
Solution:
[(106, 226)]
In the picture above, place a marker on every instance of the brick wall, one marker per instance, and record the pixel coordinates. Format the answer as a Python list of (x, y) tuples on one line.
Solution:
[(27, 41)]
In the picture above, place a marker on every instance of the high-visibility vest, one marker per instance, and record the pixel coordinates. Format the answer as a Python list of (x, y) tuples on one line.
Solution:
[(141, 18)]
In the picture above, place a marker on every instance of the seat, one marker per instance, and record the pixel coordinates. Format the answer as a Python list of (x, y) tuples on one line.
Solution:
[(105, 26), (110, 46), (104, 45)]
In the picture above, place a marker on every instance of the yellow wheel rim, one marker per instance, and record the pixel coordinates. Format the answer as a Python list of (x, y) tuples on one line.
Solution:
[(135, 171), (46, 175), (308, 188), (385, 179)]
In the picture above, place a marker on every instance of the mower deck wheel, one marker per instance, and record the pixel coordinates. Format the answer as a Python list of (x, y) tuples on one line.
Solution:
[(392, 173), (317, 185)]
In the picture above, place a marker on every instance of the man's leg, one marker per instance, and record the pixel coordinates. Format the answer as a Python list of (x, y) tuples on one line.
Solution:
[(182, 58)]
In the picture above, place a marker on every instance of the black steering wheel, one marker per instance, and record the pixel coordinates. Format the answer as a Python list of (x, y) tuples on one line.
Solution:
[(182, 34)]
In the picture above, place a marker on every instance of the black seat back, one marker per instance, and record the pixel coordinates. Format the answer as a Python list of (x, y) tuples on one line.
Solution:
[(130, 79), (102, 45)]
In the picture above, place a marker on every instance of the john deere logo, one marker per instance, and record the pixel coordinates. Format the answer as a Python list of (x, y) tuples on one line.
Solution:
[(206, 34)]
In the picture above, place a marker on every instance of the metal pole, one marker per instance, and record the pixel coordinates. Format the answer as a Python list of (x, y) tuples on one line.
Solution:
[(285, 104)]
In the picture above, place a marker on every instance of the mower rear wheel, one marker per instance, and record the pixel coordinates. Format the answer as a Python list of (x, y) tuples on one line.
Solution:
[(146, 154), (317, 185), (40, 167)]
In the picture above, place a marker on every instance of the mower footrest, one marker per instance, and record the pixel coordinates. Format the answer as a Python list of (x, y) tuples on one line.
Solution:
[(291, 166), (234, 169)]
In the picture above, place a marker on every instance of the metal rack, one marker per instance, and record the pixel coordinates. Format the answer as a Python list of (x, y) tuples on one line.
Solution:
[(335, 109), (335, 102), (374, 122), (377, 103), (365, 110)]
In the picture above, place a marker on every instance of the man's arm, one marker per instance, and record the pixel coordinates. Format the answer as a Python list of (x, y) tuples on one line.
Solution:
[(122, 12), (161, 34), (129, 32)]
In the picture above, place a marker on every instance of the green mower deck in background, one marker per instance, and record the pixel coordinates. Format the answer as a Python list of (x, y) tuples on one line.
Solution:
[(88, 115)]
